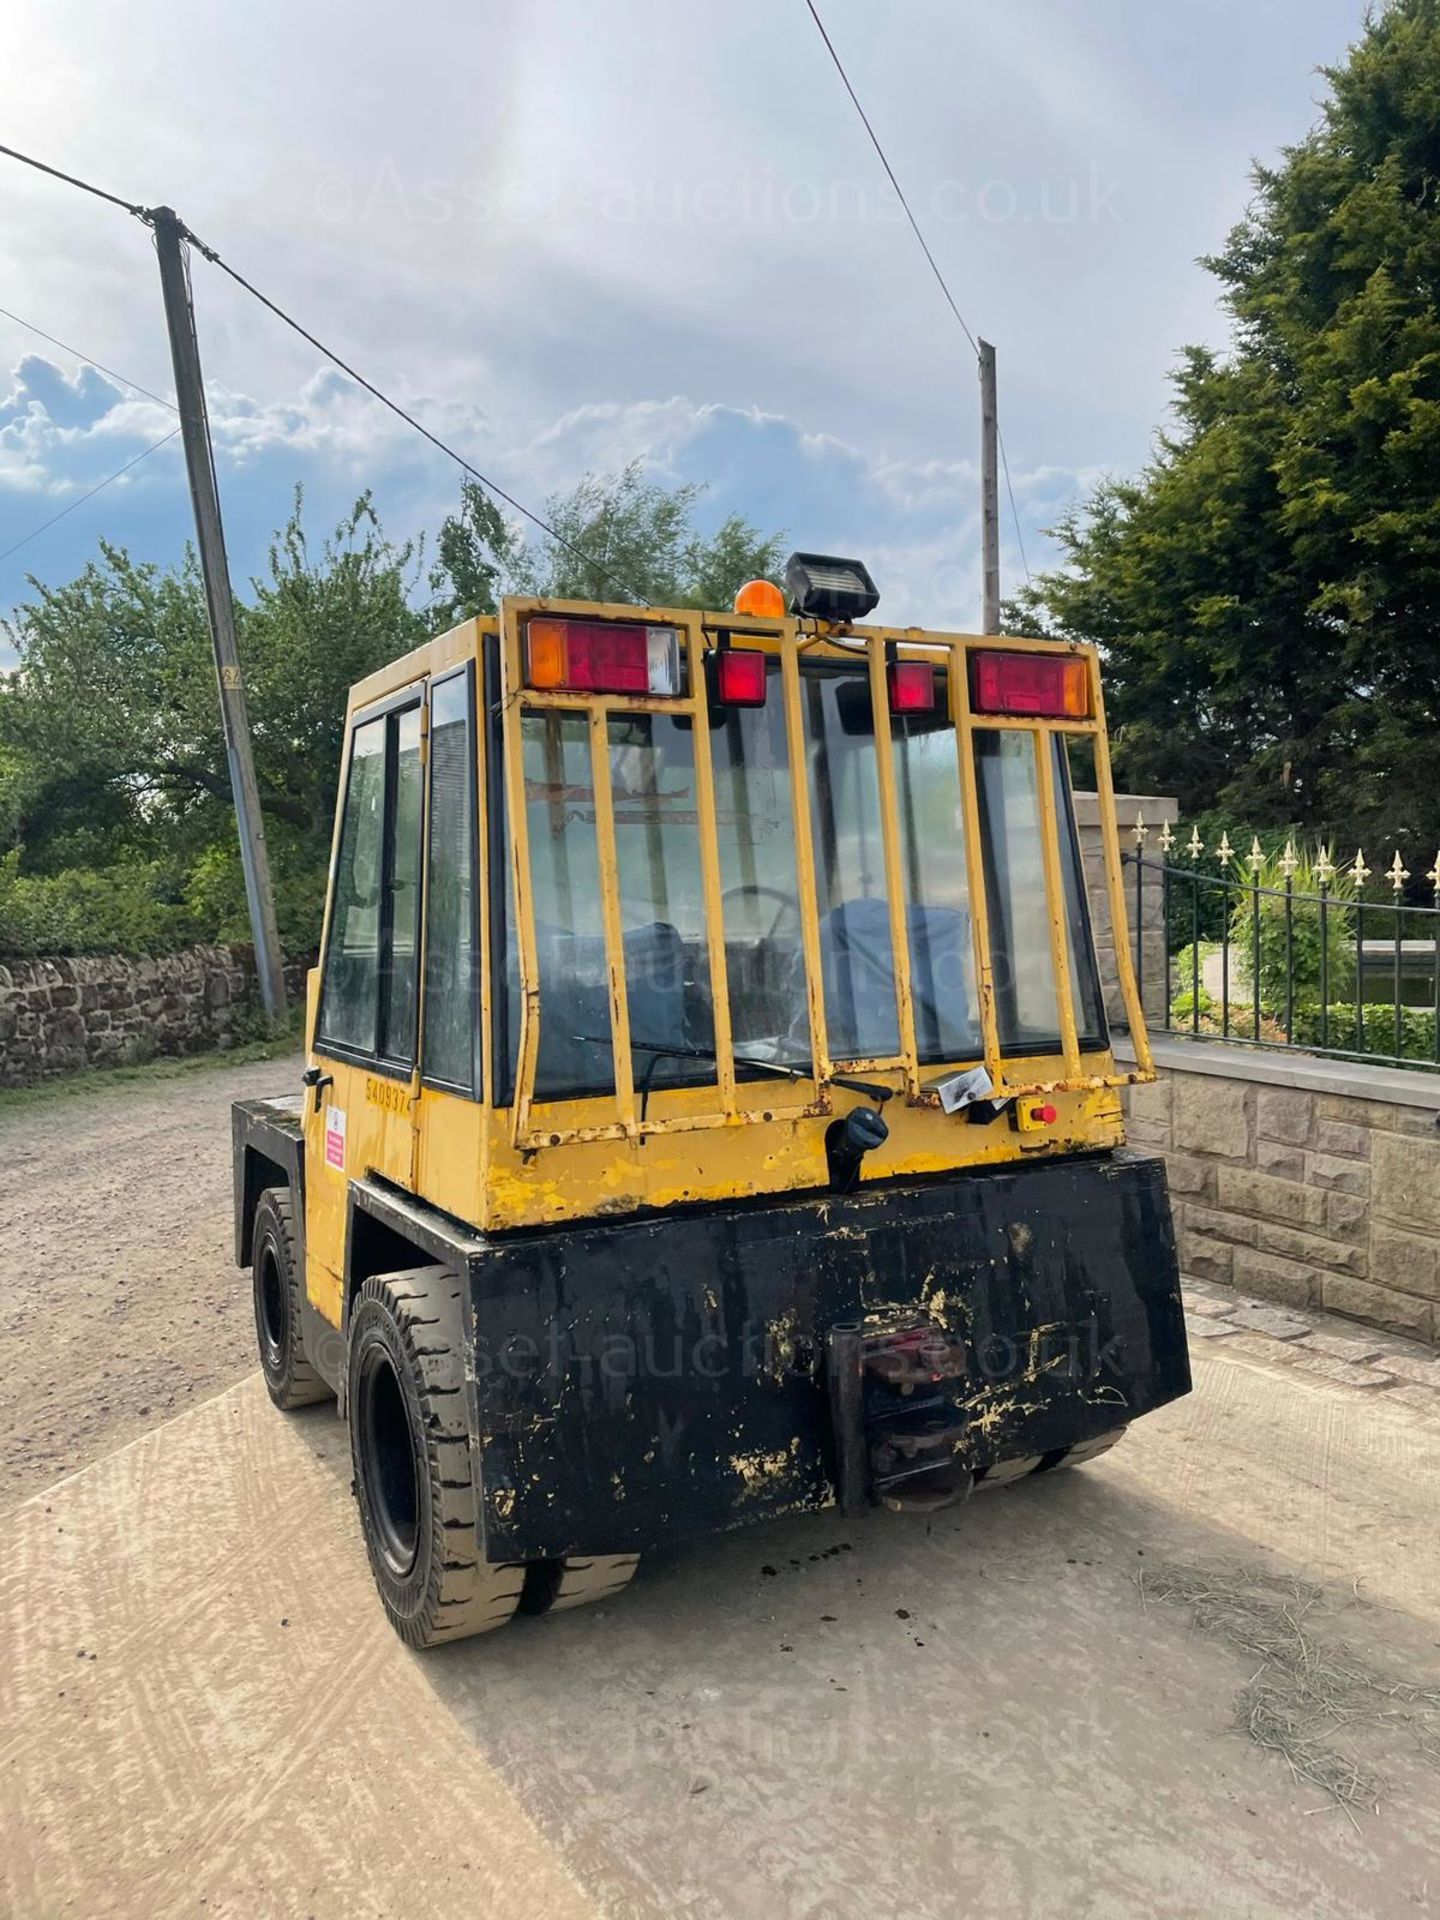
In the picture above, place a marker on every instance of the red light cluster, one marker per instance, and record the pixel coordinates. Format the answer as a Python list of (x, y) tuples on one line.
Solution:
[(912, 686), (737, 677), (588, 656), (1037, 686)]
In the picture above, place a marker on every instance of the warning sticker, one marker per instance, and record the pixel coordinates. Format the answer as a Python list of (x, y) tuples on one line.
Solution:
[(335, 1137)]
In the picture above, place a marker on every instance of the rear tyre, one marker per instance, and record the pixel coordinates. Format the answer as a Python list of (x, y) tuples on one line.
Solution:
[(1010, 1471), (1092, 1449), (275, 1283), (555, 1586), (410, 1445)]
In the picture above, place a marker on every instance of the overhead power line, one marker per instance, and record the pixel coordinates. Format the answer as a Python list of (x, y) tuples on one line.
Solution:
[(73, 180), (89, 360), (110, 479), (490, 486), (900, 191), (940, 279), (209, 253)]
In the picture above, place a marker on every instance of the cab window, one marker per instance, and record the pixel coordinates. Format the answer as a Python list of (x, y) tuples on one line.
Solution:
[(450, 1055), (369, 983)]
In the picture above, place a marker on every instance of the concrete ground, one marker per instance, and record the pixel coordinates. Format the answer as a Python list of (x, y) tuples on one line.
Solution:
[(1042, 1702)]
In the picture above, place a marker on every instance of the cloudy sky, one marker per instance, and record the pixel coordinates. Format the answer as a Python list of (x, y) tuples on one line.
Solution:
[(568, 233)]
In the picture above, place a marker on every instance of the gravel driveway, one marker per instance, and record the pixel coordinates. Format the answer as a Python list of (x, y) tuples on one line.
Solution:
[(119, 1301)]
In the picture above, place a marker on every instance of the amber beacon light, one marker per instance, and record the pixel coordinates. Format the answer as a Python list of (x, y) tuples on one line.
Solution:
[(761, 599)]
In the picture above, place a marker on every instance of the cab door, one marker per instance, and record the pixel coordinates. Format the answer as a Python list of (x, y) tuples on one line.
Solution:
[(360, 1117)]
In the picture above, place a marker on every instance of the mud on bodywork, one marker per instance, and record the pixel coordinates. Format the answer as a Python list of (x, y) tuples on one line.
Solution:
[(636, 1381)]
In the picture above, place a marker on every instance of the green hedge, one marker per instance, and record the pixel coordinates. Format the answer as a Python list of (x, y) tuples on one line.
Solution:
[(132, 910), (1377, 1020), (155, 906)]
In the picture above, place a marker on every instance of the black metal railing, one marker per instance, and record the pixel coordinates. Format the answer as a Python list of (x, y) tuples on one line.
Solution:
[(1287, 949)]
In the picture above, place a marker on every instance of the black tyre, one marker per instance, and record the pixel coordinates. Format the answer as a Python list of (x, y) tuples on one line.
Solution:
[(1009, 1471), (554, 1586), (410, 1445), (275, 1288)]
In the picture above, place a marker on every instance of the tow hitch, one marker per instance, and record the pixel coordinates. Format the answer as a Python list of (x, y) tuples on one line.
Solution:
[(899, 1437)]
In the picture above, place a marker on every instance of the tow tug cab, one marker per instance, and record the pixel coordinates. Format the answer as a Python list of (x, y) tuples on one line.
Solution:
[(710, 1110)]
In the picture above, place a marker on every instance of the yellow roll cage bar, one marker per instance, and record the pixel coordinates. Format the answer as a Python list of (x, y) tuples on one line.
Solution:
[(789, 640)]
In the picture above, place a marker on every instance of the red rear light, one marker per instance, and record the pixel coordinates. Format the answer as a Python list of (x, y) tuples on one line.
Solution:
[(592, 656), (1041, 686), (737, 677), (912, 686)]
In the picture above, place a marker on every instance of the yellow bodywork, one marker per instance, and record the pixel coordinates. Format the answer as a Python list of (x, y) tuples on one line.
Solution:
[(535, 1163)]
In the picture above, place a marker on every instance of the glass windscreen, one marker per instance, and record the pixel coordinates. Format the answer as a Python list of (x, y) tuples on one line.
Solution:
[(861, 1009), (1027, 1001), (575, 1052), (669, 993), (651, 763), (759, 880)]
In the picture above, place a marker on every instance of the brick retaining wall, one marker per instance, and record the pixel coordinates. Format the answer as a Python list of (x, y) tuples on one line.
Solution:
[(1304, 1181), (59, 1015)]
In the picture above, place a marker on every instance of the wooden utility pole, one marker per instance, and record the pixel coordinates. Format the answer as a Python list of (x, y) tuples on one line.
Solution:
[(210, 537), (989, 490)]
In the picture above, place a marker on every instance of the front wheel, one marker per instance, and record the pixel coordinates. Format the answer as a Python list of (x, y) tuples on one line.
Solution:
[(275, 1282), (410, 1445)]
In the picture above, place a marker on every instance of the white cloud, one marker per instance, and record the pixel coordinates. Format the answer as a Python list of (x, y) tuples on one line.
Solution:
[(538, 225)]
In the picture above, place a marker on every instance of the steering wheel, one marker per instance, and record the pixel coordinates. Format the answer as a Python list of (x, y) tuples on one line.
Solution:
[(787, 903)]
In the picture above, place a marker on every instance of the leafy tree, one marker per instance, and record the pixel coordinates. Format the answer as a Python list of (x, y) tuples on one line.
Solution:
[(315, 626), (474, 550), (116, 822), (108, 725), (110, 731), (621, 537), (1267, 590)]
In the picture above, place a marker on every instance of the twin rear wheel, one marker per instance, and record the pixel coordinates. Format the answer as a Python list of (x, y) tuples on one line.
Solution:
[(410, 1447)]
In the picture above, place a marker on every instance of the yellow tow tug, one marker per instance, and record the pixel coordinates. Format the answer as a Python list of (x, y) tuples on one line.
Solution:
[(710, 1110)]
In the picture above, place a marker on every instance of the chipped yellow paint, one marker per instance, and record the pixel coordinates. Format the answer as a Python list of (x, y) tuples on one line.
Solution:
[(989, 1412), (779, 1357), (757, 1471), (504, 1502)]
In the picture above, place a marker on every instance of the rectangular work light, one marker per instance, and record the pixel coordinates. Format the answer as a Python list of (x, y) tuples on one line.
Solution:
[(1035, 686), (828, 589), (601, 656)]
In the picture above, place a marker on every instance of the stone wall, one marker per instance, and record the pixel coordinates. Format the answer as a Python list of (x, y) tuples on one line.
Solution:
[(1304, 1181), (57, 1016), (1148, 956)]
